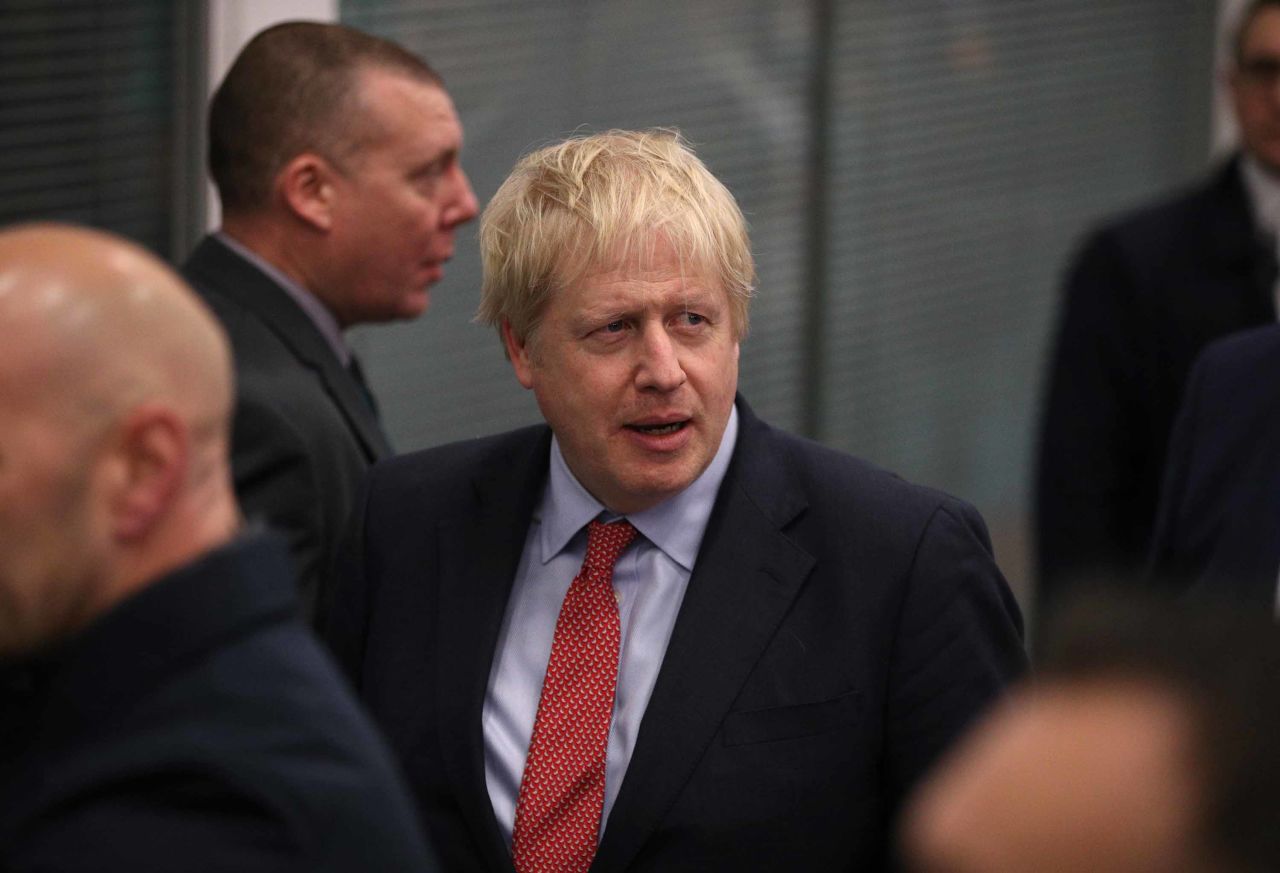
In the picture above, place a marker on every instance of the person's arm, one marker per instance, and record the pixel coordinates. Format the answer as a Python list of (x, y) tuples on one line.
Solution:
[(957, 646)]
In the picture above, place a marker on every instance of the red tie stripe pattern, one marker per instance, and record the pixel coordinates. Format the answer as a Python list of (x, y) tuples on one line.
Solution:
[(562, 791)]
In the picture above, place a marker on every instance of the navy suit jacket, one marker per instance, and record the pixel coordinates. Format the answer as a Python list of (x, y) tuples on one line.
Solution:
[(198, 726), (1218, 530), (303, 432), (1146, 294), (840, 629)]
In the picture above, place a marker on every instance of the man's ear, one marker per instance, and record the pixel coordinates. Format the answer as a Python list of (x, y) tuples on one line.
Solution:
[(306, 185), (518, 353), (149, 460)]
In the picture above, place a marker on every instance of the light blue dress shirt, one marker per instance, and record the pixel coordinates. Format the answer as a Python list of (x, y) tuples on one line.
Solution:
[(649, 580)]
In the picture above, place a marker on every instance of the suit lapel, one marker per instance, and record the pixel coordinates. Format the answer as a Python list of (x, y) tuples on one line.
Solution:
[(479, 554), (214, 266), (747, 575)]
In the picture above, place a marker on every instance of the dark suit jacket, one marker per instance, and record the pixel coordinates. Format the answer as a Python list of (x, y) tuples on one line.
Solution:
[(304, 433), (1218, 529), (840, 628), (198, 726), (1144, 296)]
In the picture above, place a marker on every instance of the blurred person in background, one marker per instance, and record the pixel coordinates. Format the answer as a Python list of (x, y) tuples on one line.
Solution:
[(162, 705), (336, 155), (1144, 296), (1218, 527), (1147, 744)]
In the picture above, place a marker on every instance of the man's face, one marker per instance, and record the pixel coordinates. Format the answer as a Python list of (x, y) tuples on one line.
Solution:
[(635, 369), (397, 202), (49, 536), (1094, 777), (1255, 89)]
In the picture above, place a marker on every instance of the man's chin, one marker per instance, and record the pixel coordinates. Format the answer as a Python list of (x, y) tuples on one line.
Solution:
[(412, 305)]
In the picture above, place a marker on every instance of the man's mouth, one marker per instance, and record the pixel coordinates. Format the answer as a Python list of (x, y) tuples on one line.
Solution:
[(659, 429)]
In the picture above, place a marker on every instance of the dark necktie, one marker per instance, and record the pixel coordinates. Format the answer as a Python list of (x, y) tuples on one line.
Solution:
[(561, 797), (357, 376)]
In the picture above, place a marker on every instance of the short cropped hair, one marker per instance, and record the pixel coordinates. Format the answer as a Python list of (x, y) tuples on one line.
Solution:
[(593, 201), (293, 89), (1222, 667), (1246, 21)]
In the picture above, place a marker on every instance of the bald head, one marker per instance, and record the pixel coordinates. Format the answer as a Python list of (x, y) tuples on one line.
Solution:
[(1147, 744), (115, 397), (108, 325), (1091, 777)]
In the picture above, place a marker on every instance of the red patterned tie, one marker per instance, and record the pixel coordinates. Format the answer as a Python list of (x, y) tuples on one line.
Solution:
[(562, 790)]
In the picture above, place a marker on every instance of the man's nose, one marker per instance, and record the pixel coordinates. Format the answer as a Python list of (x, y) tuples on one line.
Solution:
[(464, 206), (659, 366)]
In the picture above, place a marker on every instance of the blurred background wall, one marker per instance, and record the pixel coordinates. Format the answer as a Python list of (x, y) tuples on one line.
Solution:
[(915, 172)]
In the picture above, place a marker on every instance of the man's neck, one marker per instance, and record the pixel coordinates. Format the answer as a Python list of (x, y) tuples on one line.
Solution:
[(303, 293), (269, 243)]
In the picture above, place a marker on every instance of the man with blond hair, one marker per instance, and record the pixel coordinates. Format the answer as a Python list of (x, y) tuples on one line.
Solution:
[(337, 160), (767, 643), (162, 706)]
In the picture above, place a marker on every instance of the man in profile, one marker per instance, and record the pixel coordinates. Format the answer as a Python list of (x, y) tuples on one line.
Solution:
[(1147, 745), (767, 643), (162, 707), (336, 155), (1145, 295)]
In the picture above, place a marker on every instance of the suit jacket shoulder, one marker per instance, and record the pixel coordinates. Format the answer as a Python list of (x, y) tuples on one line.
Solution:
[(200, 727), (1143, 296), (1219, 504), (449, 473)]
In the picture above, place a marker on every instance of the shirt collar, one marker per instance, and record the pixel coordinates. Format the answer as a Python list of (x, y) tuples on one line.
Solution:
[(675, 526), (1264, 195), (315, 309)]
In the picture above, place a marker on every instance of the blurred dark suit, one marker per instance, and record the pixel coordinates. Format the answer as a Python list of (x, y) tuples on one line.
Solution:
[(1144, 296), (1218, 530), (304, 432), (198, 726)]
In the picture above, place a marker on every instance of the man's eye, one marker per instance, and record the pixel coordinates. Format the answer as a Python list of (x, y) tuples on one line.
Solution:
[(615, 327), (692, 318)]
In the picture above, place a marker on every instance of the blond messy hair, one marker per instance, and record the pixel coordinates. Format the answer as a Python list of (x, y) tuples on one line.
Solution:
[(594, 202)]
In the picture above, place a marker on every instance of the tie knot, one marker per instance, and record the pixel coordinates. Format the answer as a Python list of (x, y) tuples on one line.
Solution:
[(605, 543)]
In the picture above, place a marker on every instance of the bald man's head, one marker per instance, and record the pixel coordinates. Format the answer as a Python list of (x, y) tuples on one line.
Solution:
[(115, 398), (1147, 745), (1094, 777)]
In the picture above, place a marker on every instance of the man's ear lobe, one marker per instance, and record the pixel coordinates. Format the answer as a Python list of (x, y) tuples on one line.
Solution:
[(518, 353), (306, 184), (149, 462)]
